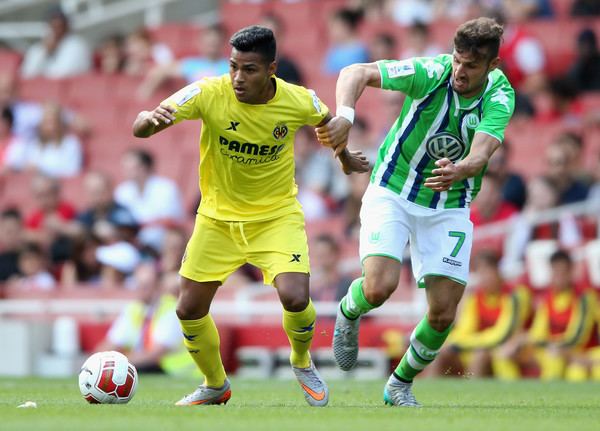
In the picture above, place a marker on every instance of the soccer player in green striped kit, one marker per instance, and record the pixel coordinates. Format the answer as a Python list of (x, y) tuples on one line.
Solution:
[(428, 170)]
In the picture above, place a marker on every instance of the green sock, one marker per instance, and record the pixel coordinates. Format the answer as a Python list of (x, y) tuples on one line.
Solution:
[(355, 304), (425, 343)]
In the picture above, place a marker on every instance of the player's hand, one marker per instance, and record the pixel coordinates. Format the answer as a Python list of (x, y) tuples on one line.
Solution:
[(334, 134), (354, 161), (162, 114), (445, 174)]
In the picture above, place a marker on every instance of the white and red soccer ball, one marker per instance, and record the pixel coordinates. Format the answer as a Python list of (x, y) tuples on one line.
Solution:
[(107, 378)]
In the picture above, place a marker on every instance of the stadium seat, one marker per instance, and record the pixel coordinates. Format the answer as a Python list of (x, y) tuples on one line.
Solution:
[(332, 226), (324, 9), (181, 38), (528, 144), (89, 89), (559, 39), (10, 61), (236, 15), (562, 8), (42, 89), (15, 191)]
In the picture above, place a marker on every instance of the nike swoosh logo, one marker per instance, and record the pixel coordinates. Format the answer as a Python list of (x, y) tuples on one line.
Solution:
[(319, 396), (302, 341)]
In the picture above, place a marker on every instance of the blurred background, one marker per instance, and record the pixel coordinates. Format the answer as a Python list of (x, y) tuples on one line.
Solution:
[(94, 222)]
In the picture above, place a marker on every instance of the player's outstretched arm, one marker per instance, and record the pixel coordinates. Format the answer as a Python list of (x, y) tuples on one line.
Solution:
[(352, 161), (482, 148), (351, 83), (149, 123)]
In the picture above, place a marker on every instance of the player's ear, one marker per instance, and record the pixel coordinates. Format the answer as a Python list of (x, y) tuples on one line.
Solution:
[(494, 63), (272, 68)]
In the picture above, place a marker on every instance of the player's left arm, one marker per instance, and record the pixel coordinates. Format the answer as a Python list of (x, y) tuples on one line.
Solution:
[(447, 173), (498, 108), (352, 161)]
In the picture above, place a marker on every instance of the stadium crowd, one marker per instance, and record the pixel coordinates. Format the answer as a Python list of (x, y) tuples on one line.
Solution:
[(85, 206)]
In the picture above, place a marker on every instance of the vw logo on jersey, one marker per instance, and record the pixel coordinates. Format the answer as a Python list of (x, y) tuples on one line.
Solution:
[(443, 145)]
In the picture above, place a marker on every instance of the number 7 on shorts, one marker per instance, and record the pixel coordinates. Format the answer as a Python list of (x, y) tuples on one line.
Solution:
[(459, 243)]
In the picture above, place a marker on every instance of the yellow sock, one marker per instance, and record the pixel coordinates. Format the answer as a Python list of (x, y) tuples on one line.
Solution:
[(300, 327), (505, 369), (201, 338)]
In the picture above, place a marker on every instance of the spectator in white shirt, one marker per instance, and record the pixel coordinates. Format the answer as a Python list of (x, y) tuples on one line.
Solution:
[(154, 201), (54, 152), (59, 54), (27, 115)]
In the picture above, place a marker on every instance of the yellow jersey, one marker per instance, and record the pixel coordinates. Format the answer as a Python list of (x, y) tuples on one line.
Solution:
[(246, 170)]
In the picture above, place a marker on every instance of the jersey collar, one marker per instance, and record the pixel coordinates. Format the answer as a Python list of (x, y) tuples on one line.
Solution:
[(474, 101)]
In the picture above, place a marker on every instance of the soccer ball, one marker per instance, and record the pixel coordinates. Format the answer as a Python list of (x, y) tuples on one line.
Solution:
[(107, 378)]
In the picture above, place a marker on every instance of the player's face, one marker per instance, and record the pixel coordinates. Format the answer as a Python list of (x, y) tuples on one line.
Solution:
[(469, 73), (251, 77)]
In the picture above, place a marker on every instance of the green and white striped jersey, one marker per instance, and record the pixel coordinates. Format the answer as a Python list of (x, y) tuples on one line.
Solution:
[(436, 122)]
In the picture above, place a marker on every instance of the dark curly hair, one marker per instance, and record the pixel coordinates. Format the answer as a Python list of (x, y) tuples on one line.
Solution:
[(480, 37)]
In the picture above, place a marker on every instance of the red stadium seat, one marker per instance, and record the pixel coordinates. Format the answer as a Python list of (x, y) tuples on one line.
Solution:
[(42, 89), (333, 226), (9, 61), (182, 39), (562, 8), (15, 191), (324, 9), (238, 15), (528, 144), (88, 89), (559, 39)]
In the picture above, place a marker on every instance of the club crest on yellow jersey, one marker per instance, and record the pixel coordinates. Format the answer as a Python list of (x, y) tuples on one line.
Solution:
[(280, 131)]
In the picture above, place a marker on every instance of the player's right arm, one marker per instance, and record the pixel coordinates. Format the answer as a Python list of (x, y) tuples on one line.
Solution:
[(149, 123), (183, 105), (351, 83)]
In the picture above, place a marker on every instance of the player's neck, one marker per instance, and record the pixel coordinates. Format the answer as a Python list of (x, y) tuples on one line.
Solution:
[(474, 93), (268, 92)]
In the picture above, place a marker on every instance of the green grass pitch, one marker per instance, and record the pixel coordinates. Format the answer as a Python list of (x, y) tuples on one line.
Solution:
[(461, 404)]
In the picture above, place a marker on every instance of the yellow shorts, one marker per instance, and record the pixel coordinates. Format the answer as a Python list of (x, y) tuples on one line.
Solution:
[(217, 248)]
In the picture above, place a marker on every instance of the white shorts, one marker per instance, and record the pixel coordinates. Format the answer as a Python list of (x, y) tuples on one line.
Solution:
[(440, 240)]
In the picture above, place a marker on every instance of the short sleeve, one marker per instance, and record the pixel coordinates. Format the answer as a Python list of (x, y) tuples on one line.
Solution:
[(497, 112), (188, 102), (317, 110), (415, 77)]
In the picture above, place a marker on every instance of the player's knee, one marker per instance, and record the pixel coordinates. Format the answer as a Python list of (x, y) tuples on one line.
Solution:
[(440, 320), (294, 303), (378, 289), (186, 312)]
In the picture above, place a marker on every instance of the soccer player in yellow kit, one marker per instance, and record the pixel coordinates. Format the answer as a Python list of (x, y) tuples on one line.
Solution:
[(249, 212)]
